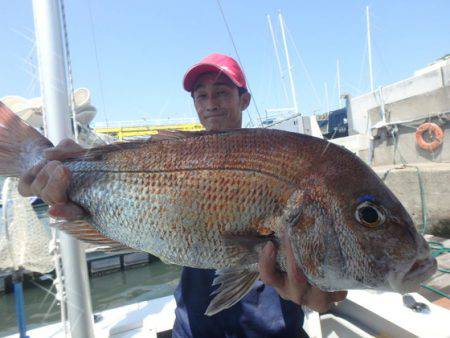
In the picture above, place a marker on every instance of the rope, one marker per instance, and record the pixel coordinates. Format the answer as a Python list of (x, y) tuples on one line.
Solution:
[(70, 81), (361, 68), (277, 58), (240, 62), (308, 76), (69, 70), (394, 133), (99, 75)]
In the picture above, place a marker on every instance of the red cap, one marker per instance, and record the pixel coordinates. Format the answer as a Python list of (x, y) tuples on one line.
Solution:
[(211, 63)]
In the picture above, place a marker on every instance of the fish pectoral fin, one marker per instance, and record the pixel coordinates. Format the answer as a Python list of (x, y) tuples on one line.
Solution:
[(245, 249), (86, 232), (235, 283)]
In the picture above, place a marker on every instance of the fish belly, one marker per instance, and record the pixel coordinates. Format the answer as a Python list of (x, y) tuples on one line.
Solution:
[(182, 216)]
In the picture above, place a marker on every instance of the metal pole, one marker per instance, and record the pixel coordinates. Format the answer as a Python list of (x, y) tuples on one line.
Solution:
[(338, 82), (288, 61), (59, 282), (369, 50), (277, 55), (56, 120)]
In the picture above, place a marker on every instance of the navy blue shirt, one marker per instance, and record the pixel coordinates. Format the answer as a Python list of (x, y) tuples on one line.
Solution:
[(261, 313)]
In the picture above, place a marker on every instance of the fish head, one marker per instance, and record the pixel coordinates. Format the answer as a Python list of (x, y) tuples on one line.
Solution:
[(349, 231), (390, 253)]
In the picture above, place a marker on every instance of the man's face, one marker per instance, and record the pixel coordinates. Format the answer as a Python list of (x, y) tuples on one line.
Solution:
[(218, 103)]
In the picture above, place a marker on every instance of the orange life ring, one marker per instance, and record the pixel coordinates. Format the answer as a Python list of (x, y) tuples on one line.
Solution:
[(432, 128)]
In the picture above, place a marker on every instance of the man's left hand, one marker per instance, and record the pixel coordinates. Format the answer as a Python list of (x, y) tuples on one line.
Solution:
[(292, 285)]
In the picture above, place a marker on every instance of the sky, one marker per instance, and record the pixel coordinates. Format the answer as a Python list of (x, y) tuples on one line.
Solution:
[(132, 55)]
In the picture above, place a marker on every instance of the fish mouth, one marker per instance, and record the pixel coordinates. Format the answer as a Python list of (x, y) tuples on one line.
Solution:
[(420, 270)]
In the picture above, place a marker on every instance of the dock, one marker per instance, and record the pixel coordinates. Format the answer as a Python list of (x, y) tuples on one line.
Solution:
[(98, 263)]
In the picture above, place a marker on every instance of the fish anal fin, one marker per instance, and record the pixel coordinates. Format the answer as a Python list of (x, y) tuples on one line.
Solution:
[(86, 232), (235, 283)]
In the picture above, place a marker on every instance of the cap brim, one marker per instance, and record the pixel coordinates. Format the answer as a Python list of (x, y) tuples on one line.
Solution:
[(195, 71)]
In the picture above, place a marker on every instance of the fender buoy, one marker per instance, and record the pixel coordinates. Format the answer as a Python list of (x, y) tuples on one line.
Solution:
[(435, 130)]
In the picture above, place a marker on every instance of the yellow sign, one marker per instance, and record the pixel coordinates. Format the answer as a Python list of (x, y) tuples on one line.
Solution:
[(138, 131)]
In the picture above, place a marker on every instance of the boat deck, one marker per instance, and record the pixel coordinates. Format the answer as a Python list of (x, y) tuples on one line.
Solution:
[(364, 314), (148, 319)]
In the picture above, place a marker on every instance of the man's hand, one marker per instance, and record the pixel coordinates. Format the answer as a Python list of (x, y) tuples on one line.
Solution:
[(50, 179), (293, 284)]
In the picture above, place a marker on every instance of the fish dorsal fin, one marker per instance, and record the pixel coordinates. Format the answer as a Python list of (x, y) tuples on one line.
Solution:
[(235, 283), (96, 153), (173, 134), (86, 232), (168, 134)]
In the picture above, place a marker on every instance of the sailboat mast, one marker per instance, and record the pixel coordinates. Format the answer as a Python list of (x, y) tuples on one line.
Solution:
[(277, 56), (288, 62), (369, 49), (57, 124)]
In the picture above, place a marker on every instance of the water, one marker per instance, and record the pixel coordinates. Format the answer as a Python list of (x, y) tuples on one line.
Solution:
[(109, 291)]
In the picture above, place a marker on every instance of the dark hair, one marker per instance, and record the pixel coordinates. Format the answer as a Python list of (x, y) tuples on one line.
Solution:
[(242, 90)]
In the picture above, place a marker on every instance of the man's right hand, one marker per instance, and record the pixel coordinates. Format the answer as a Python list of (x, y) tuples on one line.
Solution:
[(50, 180)]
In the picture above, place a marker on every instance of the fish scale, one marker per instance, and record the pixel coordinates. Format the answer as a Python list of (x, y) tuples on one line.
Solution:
[(184, 212)]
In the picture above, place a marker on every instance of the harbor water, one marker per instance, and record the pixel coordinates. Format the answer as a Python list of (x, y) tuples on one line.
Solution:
[(108, 291)]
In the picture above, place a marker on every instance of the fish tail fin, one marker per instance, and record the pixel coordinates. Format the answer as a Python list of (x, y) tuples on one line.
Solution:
[(21, 146)]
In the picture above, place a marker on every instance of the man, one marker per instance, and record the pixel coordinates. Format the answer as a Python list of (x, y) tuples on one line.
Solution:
[(218, 88)]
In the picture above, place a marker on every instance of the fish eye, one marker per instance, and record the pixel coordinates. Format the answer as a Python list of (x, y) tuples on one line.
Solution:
[(369, 214)]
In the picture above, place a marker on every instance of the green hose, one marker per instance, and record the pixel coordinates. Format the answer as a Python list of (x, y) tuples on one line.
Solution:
[(435, 247)]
